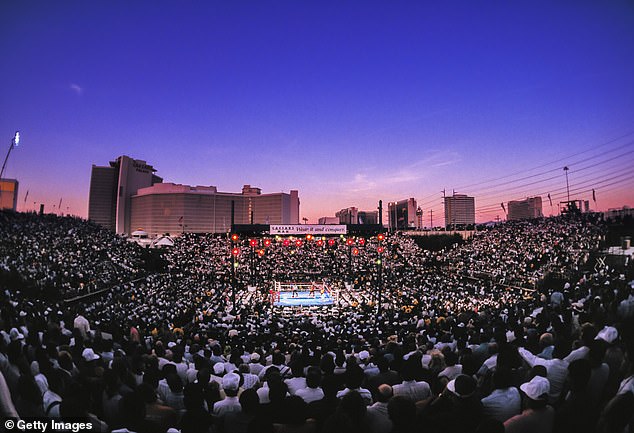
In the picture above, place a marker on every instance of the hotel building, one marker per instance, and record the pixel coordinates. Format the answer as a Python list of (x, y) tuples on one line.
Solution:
[(127, 196), (459, 211)]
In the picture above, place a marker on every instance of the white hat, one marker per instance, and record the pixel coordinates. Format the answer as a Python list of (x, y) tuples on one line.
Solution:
[(231, 382), (364, 354), (171, 344), (608, 334), (232, 333), (219, 368), (537, 388), (465, 388), (255, 357), (89, 355)]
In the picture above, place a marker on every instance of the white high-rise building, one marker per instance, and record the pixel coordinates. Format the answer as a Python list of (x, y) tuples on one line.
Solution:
[(112, 188), (459, 211)]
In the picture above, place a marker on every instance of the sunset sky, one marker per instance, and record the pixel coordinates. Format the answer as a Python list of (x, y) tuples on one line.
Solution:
[(347, 101)]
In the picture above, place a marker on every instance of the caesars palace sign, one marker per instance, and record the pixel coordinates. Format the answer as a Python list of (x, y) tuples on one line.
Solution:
[(308, 229)]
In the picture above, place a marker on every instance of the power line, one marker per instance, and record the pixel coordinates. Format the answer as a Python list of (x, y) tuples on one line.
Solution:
[(593, 148), (512, 187), (595, 182), (587, 177), (617, 157)]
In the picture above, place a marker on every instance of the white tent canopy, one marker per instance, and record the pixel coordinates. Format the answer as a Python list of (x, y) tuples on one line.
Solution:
[(164, 241)]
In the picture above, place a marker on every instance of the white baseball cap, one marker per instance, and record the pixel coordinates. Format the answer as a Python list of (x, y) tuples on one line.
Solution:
[(608, 334), (537, 388), (462, 386), (231, 381), (89, 355), (219, 368)]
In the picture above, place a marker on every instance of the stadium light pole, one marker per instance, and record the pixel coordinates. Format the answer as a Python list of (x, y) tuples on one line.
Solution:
[(234, 254), (235, 250), (15, 141), (253, 243), (350, 243)]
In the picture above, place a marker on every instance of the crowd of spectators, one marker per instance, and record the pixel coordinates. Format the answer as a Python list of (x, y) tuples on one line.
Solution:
[(63, 257), (453, 348)]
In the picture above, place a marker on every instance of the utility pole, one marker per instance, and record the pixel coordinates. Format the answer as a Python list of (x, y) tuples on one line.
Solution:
[(444, 203), (431, 218)]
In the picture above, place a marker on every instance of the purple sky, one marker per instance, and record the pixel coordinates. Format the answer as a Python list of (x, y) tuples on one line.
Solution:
[(348, 102)]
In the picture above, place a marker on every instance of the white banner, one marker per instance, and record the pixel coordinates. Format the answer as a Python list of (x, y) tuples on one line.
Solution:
[(309, 229)]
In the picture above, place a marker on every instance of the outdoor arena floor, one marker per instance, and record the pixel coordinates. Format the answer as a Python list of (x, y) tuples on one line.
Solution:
[(304, 299)]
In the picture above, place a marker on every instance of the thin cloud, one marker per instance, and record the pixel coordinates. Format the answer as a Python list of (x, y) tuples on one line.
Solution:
[(373, 182), (77, 89)]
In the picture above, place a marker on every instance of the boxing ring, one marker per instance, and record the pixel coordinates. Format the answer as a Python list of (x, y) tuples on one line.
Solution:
[(295, 294)]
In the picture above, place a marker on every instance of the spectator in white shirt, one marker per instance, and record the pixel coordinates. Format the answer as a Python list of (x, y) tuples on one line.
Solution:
[(278, 361), (505, 401), (231, 403), (354, 378), (296, 382), (377, 414), (249, 380), (82, 324), (452, 370), (556, 369), (410, 388), (255, 366), (588, 333), (312, 391)]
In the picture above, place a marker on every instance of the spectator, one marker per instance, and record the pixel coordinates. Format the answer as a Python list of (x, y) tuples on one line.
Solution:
[(505, 401), (537, 416), (231, 403), (410, 388), (312, 391), (378, 417), (402, 413), (354, 379)]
